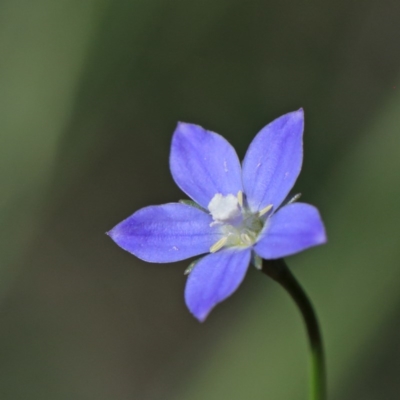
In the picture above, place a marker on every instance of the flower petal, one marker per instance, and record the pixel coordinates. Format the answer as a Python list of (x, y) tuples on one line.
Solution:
[(273, 161), (293, 228), (166, 233), (203, 164), (214, 278)]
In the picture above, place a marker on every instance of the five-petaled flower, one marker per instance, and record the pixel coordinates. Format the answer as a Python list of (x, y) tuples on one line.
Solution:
[(237, 215)]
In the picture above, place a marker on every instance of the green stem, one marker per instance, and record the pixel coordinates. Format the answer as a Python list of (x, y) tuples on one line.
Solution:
[(278, 270)]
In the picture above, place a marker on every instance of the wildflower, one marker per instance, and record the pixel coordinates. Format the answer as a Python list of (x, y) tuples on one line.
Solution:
[(236, 214)]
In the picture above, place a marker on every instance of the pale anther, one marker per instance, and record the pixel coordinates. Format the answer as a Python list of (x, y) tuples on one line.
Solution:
[(240, 198), (216, 246), (246, 239), (265, 210), (294, 198)]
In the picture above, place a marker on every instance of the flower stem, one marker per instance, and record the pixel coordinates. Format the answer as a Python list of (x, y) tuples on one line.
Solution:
[(278, 270)]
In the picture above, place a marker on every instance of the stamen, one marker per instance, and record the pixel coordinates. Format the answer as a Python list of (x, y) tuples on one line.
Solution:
[(216, 246), (246, 239), (265, 210), (294, 198), (240, 198)]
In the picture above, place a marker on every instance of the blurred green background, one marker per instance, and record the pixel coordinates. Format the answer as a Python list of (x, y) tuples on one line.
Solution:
[(90, 92)]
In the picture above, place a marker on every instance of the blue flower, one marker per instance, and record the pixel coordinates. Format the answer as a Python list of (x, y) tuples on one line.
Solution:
[(237, 215)]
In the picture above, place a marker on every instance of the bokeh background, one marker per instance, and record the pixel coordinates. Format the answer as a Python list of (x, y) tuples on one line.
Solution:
[(90, 92)]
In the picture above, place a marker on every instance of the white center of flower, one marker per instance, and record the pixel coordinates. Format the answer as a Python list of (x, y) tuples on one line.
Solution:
[(239, 226), (224, 208)]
